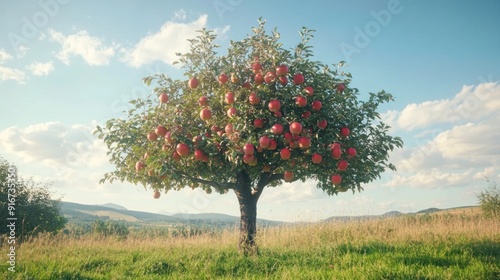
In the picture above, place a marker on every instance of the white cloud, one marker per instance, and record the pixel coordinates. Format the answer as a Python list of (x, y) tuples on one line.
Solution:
[(55, 144), (21, 51), (41, 69), (472, 103), (7, 73), (180, 15), (222, 31), (162, 46), (4, 56), (91, 49), (292, 193), (458, 144), (433, 178)]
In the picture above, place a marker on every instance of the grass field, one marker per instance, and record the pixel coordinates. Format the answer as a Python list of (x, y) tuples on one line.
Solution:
[(455, 245)]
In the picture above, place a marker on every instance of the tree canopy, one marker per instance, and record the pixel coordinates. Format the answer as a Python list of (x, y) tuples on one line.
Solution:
[(215, 146), (254, 117)]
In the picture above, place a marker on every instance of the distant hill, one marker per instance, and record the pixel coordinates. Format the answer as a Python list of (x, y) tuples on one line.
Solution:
[(82, 213), (114, 206), (79, 213), (455, 210), (429, 210)]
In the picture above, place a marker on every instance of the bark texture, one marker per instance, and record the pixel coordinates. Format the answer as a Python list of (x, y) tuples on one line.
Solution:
[(248, 220)]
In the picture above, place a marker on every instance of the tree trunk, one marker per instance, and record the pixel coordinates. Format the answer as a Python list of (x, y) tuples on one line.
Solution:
[(248, 219)]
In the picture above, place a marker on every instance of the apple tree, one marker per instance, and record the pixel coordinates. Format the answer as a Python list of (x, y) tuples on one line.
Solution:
[(258, 116)]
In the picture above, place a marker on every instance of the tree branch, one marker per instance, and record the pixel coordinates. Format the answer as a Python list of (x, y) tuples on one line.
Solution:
[(207, 182), (265, 179)]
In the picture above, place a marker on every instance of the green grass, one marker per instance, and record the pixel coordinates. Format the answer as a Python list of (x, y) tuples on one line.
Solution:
[(417, 247)]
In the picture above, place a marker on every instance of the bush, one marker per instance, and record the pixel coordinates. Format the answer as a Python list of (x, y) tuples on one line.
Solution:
[(109, 228), (28, 201), (489, 200)]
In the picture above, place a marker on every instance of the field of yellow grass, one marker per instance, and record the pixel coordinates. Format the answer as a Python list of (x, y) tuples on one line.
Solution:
[(454, 245)]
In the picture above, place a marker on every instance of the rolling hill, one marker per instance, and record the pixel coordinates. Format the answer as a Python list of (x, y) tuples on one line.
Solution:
[(82, 213)]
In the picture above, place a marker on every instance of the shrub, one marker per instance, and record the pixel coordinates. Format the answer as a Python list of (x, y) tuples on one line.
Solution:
[(489, 200)]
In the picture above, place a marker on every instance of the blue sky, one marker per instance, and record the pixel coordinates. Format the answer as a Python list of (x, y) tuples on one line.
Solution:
[(68, 65)]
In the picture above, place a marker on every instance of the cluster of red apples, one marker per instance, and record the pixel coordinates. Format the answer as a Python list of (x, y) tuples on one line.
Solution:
[(278, 138)]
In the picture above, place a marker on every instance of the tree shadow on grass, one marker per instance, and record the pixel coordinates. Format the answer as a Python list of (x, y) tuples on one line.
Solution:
[(488, 251)]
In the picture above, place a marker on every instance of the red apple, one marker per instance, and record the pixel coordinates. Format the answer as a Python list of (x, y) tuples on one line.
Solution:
[(295, 128), (336, 153), (152, 136), (229, 98), (214, 128), (309, 91), (246, 85), (182, 149), (335, 145), (270, 77), (288, 137), (264, 141), (288, 176), (258, 123), (344, 131), (304, 142), (253, 98), (176, 156), (317, 158), (248, 149), (205, 114), (139, 166), (342, 165), (248, 158), (203, 101), (340, 87), (282, 70), (156, 194), (285, 154), (278, 114), (277, 129), (253, 162), (256, 67), (161, 130), (163, 98), (283, 80), (351, 152), (231, 112), (199, 155), (336, 179), (301, 101), (168, 137), (193, 83), (298, 79), (223, 78), (322, 124), (306, 114), (272, 145), (229, 129), (316, 105), (274, 105), (258, 78)]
